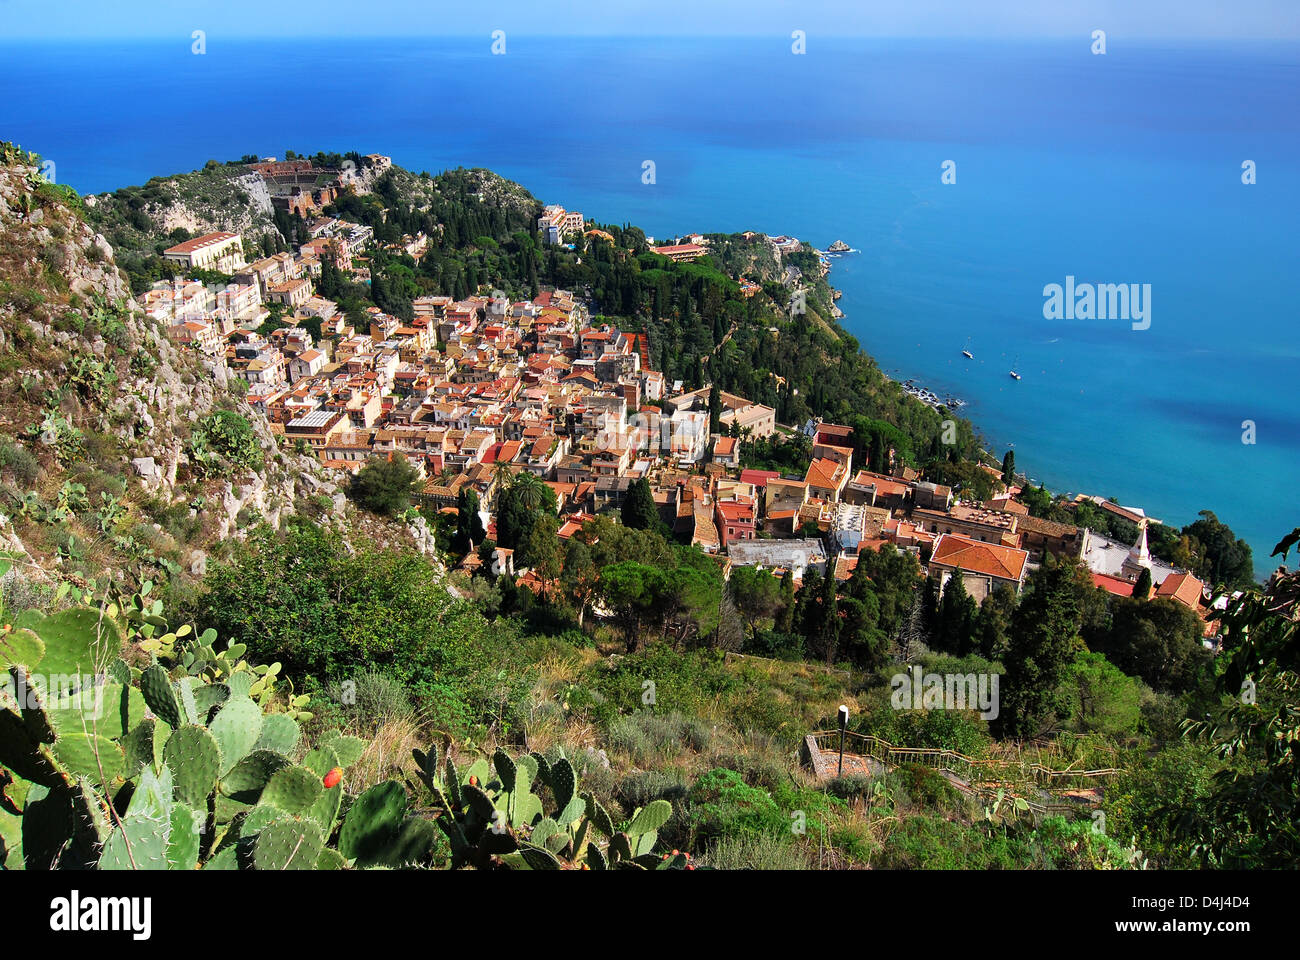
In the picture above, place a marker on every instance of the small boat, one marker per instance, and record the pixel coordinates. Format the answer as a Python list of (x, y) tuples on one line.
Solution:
[(1014, 375), (966, 351)]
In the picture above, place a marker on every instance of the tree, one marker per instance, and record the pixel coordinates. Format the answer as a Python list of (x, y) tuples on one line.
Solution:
[(1009, 468), (385, 485), (1226, 559), (1102, 698), (542, 550), (533, 492), (1158, 640), (303, 597), (1252, 818), (1044, 641), (1142, 589), (639, 510), (469, 525), (715, 407), (756, 595), (578, 576), (785, 618), (955, 628), (993, 625), (630, 590)]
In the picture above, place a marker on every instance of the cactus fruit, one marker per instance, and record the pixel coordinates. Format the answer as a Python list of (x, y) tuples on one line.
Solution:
[(332, 778)]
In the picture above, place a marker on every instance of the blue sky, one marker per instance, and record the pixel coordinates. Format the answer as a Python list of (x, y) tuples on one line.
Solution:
[(1146, 19)]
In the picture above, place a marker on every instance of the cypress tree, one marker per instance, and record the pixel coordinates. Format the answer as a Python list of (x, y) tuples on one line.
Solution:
[(639, 510)]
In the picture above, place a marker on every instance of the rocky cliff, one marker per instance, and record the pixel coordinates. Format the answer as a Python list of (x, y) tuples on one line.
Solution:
[(122, 454)]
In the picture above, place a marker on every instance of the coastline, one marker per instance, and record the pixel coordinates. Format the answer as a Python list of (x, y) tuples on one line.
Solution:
[(1058, 477)]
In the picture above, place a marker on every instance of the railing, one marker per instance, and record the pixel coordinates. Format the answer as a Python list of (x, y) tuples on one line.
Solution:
[(977, 773)]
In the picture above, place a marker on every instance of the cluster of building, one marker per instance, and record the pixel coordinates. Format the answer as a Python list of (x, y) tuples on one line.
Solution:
[(471, 391)]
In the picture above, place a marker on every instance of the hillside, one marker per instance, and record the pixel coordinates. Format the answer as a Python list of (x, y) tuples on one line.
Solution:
[(680, 688), (121, 452)]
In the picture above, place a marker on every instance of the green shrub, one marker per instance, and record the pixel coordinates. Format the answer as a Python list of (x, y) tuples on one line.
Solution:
[(21, 462), (647, 737), (723, 805), (757, 852), (221, 443)]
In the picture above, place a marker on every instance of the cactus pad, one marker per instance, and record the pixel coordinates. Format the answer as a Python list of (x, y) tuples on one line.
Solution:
[(288, 845), (236, 727), (292, 789), (159, 695), (279, 733), (192, 755)]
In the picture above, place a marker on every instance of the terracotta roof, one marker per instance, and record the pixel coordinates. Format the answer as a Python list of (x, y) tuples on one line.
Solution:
[(198, 243), (824, 472), (987, 559), (758, 478), (1116, 585), (1048, 527), (1184, 588)]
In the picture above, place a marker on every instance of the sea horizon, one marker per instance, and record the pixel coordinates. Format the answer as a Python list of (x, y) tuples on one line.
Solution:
[(1117, 169)]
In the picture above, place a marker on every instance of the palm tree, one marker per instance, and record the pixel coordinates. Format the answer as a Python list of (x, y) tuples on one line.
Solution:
[(502, 475), (530, 489)]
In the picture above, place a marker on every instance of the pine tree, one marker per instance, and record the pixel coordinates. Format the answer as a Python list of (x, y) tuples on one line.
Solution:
[(1009, 468), (957, 614)]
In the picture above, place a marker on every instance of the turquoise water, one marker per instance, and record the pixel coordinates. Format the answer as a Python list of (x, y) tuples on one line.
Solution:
[(1122, 168)]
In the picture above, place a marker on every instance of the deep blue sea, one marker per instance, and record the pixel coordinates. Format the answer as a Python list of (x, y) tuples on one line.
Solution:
[(1123, 168)]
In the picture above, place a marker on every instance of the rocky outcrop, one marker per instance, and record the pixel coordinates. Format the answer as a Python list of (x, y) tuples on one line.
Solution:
[(144, 412)]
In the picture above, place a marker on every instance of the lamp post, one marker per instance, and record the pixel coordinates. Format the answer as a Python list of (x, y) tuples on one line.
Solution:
[(844, 725)]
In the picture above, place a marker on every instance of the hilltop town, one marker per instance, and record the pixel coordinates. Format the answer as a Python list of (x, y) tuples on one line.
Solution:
[(474, 390)]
